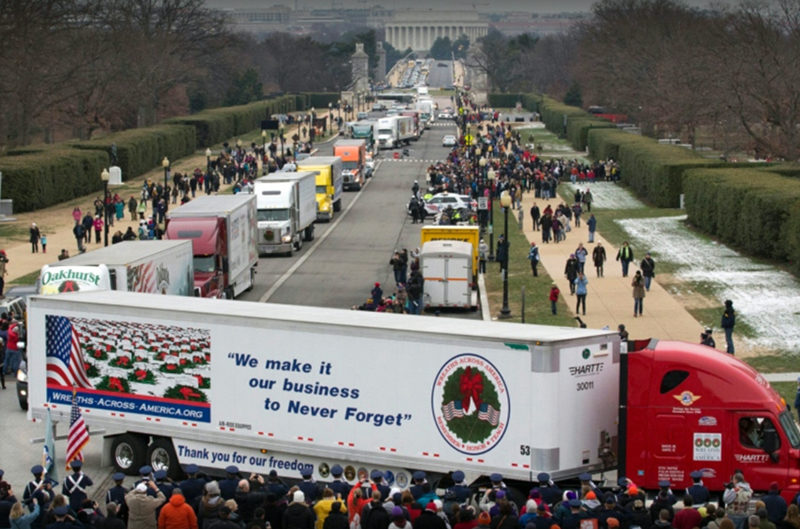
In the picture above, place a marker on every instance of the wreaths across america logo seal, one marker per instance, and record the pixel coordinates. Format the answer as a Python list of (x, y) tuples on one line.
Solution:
[(470, 404)]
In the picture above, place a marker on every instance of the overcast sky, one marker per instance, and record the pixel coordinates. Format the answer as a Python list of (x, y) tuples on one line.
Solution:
[(537, 6)]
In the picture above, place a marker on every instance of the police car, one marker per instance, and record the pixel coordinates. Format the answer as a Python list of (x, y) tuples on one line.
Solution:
[(441, 201)]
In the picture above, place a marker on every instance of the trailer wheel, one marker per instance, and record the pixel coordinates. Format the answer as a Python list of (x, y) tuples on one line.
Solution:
[(161, 456), (128, 453), (227, 293), (310, 233), (337, 206)]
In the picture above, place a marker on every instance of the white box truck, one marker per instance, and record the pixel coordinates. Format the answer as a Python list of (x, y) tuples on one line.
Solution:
[(406, 130), (447, 270), (157, 267), (224, 234), (425, 108), (387, 133), (280, 387), (287, 209)]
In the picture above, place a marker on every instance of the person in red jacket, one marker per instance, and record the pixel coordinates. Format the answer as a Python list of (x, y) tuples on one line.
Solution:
[(554, 292), (688, 517), (177, 514)]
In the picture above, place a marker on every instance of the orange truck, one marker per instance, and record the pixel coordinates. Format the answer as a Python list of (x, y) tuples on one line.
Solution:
[(354, 155)]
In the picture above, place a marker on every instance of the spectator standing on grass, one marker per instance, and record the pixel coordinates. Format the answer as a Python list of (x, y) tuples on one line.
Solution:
[(502, 252), (580, 292), (648, 267), (638, 285), (483, 251), (554, 292), (727, 324), (533, 257)]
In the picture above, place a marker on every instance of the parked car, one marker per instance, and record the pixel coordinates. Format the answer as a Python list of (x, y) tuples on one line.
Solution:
[(449, 141), (362, 115), (441, 201)]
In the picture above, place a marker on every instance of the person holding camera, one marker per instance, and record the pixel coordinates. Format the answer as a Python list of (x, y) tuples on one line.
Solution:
[(141, 507)]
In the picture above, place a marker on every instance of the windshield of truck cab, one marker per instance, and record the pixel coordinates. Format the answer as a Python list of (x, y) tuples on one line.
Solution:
[(349, 165), (273, 214), (203, 263), (790, 427), (321, 190), (387, 132)]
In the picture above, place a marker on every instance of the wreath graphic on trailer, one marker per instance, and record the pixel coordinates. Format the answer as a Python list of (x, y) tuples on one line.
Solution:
[(470, 405)]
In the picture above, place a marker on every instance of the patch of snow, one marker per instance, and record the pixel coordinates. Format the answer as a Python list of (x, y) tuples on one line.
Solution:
[(606, 195), (766, 298), (534, 125)]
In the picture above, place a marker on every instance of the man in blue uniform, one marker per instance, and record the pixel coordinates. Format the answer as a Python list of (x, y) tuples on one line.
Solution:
[(62, 522), (116, 494), (339, 486), (41, 488), (699, 493), (309, 488), (75, 486), (417, 489), (377, 477), (460, 491), (163, 483), (276, 486), (227, 486), (550, 493), (192, 486)]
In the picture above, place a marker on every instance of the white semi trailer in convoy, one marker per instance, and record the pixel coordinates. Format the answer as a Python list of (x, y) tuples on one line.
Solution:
[(278, 387)]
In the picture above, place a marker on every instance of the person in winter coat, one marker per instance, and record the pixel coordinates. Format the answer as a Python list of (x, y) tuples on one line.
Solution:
[(648, 267), (505, 518), (502, 252), (142, 507), (580, 292), (374, 515), (298, 515), (553, 297), (112, 519), (483, 251), (638, 293), (98, 228), (727, 323), (625, 256), (592, 225), (533, 257), (323, 507), (34, 238), (599, 258), (336, 518), (571, 272), (177, 514), (399, 519), (209, 505), (428, 519), (19, 520)]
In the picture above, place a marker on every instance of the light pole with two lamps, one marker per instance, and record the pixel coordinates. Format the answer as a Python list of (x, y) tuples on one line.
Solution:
[(104, 176), (208, 160), (490, 176), (505, 201), (264, 142)]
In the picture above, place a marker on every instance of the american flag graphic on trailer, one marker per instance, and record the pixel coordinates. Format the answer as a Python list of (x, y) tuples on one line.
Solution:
[(141, 278), (64, 358)]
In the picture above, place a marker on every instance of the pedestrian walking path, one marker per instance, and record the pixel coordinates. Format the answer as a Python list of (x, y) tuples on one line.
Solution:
[(609, 301)]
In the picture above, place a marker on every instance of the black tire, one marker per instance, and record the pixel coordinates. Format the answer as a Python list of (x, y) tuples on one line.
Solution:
[(227, 293), (128, 453), (161, 456), (23, 402), (310, 233), (337, 206)]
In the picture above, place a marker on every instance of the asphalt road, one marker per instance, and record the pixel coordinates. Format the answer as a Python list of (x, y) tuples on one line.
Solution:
[(440, 76), (348, 255)]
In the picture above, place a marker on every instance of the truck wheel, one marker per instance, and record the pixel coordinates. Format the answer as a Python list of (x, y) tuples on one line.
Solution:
[(298, 245), (227, 293), (310, 233), (161, 456), (128, 453), (337, 206), (23, 401)]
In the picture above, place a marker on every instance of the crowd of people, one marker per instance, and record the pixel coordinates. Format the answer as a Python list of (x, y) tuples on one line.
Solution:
[(254, 501)]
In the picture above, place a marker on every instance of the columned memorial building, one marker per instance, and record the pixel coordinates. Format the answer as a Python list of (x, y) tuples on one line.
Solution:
[(419, 31)]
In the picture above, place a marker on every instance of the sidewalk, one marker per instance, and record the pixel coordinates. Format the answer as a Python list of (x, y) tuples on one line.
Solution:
[(609, 301), (56, 221)]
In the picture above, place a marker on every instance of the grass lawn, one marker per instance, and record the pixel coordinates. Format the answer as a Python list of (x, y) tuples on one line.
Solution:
[(537, 289)]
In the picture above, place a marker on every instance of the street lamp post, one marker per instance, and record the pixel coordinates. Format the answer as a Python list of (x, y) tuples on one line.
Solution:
[(264, 142), (330, 115), (282, 131), (490, 175), (165, 165), (505, 201), (208, 160), (104, 176)]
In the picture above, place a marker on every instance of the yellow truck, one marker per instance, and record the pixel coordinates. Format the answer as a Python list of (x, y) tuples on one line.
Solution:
[(469, 234), (329, 183)]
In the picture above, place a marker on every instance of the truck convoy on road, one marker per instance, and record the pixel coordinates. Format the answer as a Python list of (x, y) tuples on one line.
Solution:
[(287, 209), (330, 183), (278, 387), (394, 131), (365, 130), (354, 156), (224, 233), (157, 267)]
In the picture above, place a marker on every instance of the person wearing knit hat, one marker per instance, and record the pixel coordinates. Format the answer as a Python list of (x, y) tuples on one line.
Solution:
[(484, 520), (298, 513)]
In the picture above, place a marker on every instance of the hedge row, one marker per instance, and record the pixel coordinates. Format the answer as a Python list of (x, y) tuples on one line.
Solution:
[(320, 100), (51, 176), (504, 100), (653, 170), (749, 208), (36, 179)]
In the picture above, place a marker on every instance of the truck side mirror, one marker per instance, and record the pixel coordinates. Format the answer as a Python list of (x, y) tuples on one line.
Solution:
[(771, 443)]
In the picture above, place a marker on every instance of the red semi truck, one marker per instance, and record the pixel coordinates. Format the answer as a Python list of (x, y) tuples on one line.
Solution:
[(224, 234)]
